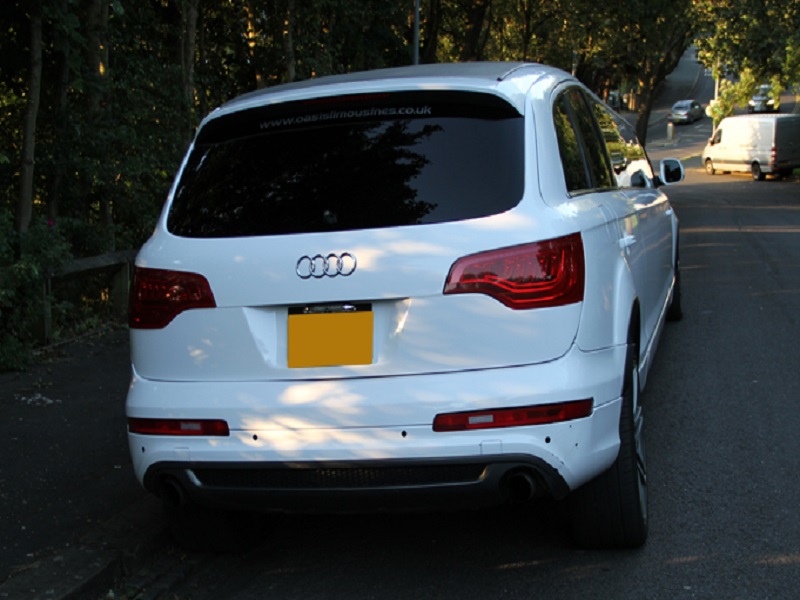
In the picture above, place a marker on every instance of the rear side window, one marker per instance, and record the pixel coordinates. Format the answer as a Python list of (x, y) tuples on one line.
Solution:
[(349, 163), (569, 147), (628, 158), (583, 155)]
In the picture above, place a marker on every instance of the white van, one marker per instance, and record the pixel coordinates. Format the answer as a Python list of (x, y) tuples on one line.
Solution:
[(760, 144)]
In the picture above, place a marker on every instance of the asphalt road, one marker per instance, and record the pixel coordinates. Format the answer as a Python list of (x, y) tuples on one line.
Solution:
[(65, 465)]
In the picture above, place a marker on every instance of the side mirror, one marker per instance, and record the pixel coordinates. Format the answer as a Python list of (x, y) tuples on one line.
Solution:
[(671, 172)]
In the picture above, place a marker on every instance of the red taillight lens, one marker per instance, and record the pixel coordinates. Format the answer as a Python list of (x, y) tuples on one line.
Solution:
[(537, 275), (158, 296), (513, 417), (181, 427)]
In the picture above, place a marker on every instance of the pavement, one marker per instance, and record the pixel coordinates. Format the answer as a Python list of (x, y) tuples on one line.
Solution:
[(73, 518), (92, 566)]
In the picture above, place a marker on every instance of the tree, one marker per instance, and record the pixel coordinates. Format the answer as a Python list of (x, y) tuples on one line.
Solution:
[(476, 29), (431, 16), (633, 43), (754, 41), (664, 33), (25, 201), (186, 44)]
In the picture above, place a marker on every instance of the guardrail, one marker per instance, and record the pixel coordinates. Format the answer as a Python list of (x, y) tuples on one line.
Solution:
[(117, 264)]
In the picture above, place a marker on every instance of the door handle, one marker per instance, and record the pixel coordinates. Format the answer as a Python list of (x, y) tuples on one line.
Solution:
[(627, 241)]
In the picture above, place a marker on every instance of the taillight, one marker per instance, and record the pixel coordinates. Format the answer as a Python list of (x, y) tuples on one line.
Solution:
[(181, 427), (159, 295), (513, 417), (537, 275)]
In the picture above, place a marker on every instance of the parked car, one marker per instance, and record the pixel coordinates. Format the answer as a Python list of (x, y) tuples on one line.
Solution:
[(762, 100), (432, 286), (758, 144), (686, 111)]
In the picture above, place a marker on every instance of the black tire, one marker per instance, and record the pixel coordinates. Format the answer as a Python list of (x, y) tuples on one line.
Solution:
[(710, 167), (758, 174), (199, 529), (675, 311), (611, 510)]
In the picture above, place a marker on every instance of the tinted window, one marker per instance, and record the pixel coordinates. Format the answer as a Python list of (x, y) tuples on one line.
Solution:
[(628, 159), (583, 153), (595, 152), (351, 163), (575, 173)]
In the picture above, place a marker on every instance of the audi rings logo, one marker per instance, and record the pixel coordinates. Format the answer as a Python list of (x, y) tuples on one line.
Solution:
[(319, 266)]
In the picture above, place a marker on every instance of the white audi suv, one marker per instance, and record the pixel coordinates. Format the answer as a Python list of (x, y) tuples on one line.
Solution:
[(432, 286)]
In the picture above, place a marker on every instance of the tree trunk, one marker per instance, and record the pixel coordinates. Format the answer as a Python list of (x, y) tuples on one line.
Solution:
[(94, 51), (655, 69), (188, 42), (252, 36), (106, 214), (473, 35), (430, 39), (187, 48), (62, 120), (202, 96), (288, 42), (25, 200), (97, 57)]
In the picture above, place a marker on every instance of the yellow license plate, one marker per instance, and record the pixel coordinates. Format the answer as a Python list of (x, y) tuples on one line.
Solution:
[(330, 339)]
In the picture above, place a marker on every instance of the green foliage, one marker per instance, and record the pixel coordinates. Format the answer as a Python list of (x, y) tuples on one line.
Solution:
[(737, 94), (24, 266), (725, 104), (757, 36), (776, 89)]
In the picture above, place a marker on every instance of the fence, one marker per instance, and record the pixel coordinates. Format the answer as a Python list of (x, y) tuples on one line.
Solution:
[(116, 264)]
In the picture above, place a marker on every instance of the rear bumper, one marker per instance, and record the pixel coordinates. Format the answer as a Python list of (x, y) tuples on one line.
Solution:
[(300, 445), (362, 486)]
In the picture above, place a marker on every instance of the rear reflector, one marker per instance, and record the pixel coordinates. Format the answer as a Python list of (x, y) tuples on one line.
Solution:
[(158, 296), (513, 417), (537, 275), (181, 427)]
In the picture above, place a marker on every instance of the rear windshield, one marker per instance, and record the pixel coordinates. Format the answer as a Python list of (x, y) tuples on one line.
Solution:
[(348, 163)]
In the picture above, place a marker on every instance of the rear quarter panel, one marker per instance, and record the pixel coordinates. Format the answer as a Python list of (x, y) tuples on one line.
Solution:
[(599, 216)]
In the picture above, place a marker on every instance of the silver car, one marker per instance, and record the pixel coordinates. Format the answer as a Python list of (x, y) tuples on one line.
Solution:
[(686, 111)]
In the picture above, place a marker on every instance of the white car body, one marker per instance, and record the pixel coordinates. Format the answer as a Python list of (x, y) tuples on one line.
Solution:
[(427, 353)]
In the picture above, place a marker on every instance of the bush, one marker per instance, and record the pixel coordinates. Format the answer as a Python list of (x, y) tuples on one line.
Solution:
[(25, 263)]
